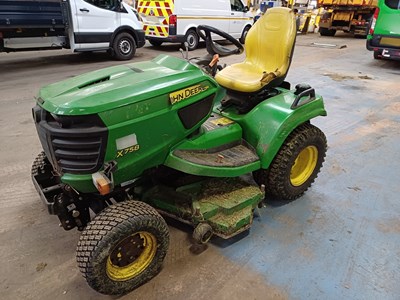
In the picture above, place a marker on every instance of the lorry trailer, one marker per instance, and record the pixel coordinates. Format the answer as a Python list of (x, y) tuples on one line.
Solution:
[(348, 15)]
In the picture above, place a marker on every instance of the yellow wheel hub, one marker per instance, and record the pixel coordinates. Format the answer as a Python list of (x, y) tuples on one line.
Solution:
[(131, 256), (304, 165)]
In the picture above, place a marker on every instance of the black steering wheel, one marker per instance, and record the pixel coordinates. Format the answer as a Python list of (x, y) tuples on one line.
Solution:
[(213, 47)]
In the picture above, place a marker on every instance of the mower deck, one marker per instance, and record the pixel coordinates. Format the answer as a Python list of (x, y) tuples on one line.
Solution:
[(226, 204)]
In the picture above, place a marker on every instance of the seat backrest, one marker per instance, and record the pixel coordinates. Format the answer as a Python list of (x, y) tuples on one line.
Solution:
[(269, 43)]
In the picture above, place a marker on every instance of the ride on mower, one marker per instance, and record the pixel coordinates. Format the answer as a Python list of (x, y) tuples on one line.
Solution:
[(127, 144)]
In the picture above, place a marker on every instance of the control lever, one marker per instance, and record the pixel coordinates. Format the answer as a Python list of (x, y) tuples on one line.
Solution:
[(187, 49), (213, 65), (185, 55), (181, 51), (214, 60)]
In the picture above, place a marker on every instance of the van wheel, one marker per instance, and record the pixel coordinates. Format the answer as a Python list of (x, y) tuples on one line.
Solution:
[(192, 39), (124, 46), (244, 34), (377, 54)]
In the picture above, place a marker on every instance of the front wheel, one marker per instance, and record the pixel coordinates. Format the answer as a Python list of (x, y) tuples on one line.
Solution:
[(123, 247), (296, 165), (124, 46)]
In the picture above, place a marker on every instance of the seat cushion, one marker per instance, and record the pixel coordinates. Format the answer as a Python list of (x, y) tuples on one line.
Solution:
[(269, 47), (244, 77)]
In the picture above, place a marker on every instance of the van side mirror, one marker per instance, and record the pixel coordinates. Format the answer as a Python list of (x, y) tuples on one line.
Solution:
[(120, 4), (246, 9)]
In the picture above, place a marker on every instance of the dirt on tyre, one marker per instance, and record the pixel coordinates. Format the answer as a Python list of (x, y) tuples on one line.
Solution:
[(296, 165), (124, 46), (192, 39), (122, 247), (202, 233)]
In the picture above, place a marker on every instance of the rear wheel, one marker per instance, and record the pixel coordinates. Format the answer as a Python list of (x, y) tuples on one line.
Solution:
[(296, 165), (123, 247), (377, 54), (124, 46), (192, 39), (327, 32)]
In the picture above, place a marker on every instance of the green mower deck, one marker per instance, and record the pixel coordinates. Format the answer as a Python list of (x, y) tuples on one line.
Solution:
[(226, 204)]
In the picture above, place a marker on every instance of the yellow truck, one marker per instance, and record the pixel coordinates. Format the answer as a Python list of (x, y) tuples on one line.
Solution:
[(347, 15)]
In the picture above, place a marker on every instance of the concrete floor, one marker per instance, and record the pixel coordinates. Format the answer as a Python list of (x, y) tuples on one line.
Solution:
[(339, 241)]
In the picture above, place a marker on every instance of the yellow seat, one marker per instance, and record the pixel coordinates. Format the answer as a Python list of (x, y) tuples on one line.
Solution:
[(269, 47)]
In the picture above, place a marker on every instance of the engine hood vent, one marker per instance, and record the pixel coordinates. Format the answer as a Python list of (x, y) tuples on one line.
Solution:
[(118, 86), (95, 82)]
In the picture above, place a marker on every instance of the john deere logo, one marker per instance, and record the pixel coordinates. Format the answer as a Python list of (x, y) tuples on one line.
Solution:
[(180, 95)]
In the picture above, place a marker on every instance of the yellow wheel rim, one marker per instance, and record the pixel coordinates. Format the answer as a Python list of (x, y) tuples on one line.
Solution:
[(131, 256), (304, 165)]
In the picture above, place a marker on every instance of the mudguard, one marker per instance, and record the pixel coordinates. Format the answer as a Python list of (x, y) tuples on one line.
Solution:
[(267, 125)]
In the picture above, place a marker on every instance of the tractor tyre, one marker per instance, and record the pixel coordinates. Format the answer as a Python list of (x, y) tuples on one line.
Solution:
[(123, 247), (202, 233), (192, 39), (38, 164), (244, 34), (296, 165), (124, 46)]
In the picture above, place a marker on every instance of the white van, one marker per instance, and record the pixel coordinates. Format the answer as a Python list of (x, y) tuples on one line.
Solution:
[(79, 25), (175, 21)]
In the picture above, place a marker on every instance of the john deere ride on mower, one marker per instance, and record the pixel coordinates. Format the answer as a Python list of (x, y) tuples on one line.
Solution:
[(127, 144)]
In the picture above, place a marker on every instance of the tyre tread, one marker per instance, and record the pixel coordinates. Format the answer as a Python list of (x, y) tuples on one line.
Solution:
[(118, 217), (38, 163), (275, 178)]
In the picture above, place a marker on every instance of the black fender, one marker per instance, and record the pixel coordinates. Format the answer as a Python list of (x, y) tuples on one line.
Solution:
[(138, 35)]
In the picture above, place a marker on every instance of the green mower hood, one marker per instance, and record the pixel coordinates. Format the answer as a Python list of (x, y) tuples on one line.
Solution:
[(118, 86)]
